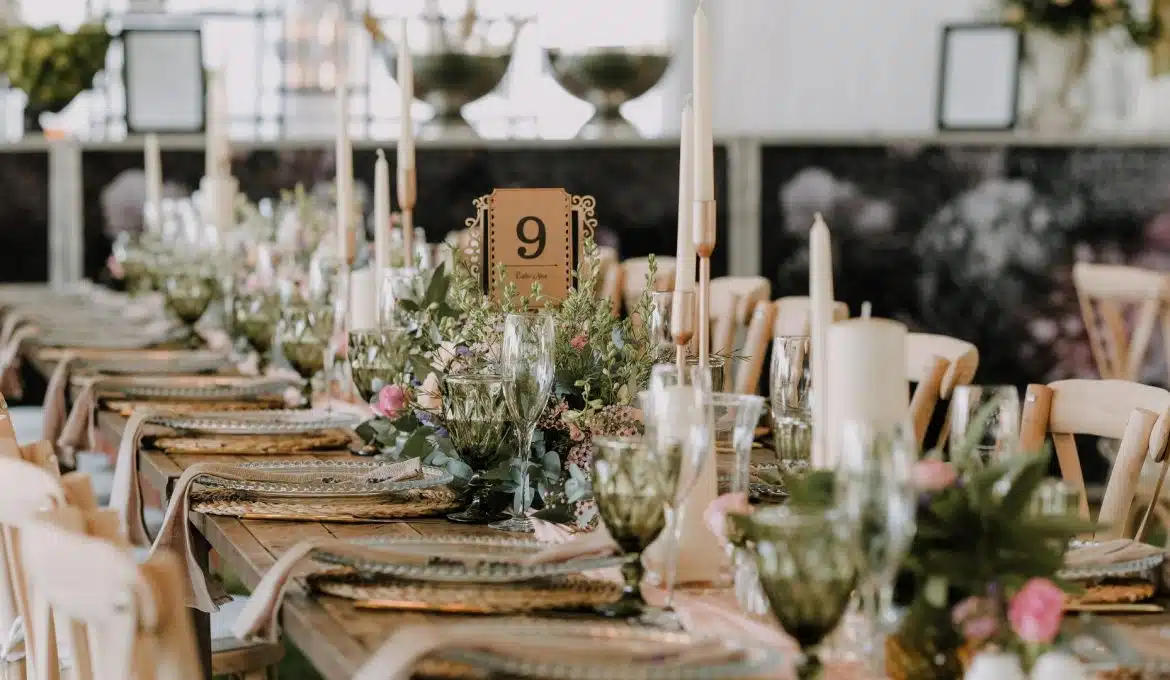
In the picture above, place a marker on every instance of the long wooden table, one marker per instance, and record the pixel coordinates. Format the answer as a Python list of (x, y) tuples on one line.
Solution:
[(335, 636)]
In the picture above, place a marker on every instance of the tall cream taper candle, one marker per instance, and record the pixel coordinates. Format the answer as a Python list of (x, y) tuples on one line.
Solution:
[(820, 285)]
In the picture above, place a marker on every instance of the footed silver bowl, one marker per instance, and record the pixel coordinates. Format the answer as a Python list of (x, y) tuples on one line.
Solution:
[(461, 61), (607, 78)]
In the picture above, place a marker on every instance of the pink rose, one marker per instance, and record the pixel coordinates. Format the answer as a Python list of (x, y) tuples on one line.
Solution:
[(578, 343), (717, 511), (975, 619), (391, 399), (933, 475), (1036, 610)]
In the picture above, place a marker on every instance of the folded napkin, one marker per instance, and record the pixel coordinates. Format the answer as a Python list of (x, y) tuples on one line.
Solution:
[(79, 432), (125, 493), (1106, 553), (395, 659), (175, 533)]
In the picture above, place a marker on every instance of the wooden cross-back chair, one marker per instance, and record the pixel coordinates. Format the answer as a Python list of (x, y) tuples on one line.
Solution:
[(937, 364), (125, 619), (634, 273), (788, 315), (1113, 297), (1136, 414), (733, 302)]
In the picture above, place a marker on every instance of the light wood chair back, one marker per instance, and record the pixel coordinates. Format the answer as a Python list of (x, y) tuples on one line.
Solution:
[(1138, 415), (609, 279), (733, 301), (784, 316), (634, 273), (123, 619), (937, 363), (1107, 295)]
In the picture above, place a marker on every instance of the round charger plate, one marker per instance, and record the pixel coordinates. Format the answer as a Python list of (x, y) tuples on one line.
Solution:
[(195, 387), (283, 421), (467, 559), (742, 661), (329, 479), (1132, 569)]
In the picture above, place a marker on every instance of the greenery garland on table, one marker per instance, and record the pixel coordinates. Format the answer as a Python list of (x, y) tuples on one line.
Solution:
[(602, 362)]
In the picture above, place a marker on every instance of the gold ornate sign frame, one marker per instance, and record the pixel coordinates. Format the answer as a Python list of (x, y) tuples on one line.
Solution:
[(583, 225)]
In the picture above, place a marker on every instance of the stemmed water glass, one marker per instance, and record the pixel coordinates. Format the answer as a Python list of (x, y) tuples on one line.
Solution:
[(306, 328), (877, 495), (633, 483), (189, 289), (527, 371), (806, 557), (476, 418), (790, 383), (377, 357), (995, 409)]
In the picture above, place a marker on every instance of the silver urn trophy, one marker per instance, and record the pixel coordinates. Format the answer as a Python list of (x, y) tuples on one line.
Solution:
[(608, 77), (456, 61)]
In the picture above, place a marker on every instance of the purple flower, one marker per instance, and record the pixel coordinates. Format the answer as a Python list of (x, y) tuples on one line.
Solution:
[(462, 351)]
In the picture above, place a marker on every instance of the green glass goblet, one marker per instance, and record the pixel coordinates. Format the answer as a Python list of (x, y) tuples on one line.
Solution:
[(806, 558), (476, 418), (257, 314), (189, 292), (377, 357), (632, 483), (304, 334)]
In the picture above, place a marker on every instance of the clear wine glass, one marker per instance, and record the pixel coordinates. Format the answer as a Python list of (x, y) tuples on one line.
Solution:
[(527, 371), (876, 493), (677, 415), (790, 383), (985, 422)]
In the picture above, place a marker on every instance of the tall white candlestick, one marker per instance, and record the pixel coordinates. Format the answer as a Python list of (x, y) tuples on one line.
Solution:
[(211, 125), (406, 171), (684, 266), (820, 284), (152, 166), (381, 216), (704, 152), (344, 150)]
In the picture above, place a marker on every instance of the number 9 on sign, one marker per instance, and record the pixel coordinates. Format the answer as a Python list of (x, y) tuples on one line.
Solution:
[(539, 240)]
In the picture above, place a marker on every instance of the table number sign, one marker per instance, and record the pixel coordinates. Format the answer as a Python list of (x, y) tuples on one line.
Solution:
[(538, 235)]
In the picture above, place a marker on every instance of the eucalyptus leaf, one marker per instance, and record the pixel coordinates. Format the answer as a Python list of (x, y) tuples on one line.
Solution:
[(416, 445)]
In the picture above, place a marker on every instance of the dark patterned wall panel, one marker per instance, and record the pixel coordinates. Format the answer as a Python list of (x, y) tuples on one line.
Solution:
[(636, 188), (24, 216), (973, 242)]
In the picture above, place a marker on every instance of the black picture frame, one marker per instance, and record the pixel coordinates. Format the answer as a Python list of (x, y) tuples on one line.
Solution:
[(1005, 93), (126, 37)]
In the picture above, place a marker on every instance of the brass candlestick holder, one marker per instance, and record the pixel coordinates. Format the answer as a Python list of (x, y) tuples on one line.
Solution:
[(682, 326), (703, 230), (407, 194)]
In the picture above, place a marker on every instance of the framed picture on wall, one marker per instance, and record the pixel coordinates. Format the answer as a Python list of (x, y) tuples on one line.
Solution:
[(164, 80), (979, 77)]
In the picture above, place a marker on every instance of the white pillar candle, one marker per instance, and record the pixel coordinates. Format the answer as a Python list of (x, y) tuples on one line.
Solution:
[(820, 286), (363, 299), (684, 271), (406, 140), (381, 215), (867, 376), (704, 152), (152, 167), (343, 179)]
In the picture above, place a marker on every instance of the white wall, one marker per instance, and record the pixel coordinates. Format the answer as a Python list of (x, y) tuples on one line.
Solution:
[(787, 67)]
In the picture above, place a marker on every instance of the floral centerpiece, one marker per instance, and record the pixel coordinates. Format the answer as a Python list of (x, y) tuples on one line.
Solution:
[(602, 362), (981, 572), (52, 65), (1058, 47)]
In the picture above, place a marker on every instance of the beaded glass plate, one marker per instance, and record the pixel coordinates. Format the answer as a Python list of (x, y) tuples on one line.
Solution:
[(622, 653), (288, 421), (194, 386), (467, 559), (328, 479), (1138, 568)]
